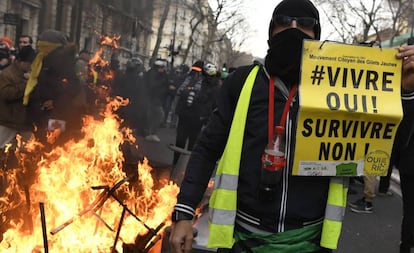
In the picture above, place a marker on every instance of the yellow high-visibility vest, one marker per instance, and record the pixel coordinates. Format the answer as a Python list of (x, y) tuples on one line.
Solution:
[(223, 201), (334, 212)]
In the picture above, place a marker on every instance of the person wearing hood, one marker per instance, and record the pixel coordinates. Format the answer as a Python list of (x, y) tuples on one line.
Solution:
[(53, 90), (287, 217), (250, 208), (187, 108)]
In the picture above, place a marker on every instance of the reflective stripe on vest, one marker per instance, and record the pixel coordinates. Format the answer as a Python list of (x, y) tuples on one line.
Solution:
[(223, 200), (334, 212)]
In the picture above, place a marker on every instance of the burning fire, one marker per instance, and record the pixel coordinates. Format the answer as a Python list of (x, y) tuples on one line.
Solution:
[(100, 65), (64, 178), (90, 203)]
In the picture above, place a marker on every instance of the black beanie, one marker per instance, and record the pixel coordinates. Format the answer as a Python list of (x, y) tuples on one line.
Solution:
[(53, 36), (26, 54), (297, 8)]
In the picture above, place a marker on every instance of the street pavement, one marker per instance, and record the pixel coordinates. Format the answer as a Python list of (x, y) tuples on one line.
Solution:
[(378, 232)]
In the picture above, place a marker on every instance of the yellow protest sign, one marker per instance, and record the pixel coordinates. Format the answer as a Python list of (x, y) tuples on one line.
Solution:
[(350, 109)]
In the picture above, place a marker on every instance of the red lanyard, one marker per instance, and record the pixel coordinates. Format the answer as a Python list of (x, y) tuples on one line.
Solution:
[(271, 108)]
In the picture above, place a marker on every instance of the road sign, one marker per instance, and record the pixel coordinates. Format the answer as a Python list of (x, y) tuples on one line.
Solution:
[(11, 19)]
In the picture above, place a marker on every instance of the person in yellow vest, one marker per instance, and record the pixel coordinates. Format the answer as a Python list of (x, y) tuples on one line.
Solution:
[(53, 91), (256, 204)]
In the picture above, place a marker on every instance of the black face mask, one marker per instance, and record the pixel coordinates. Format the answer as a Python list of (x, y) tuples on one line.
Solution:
[(284, 55)]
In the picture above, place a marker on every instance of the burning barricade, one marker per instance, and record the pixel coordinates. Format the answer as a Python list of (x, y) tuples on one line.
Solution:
[(77, 196)]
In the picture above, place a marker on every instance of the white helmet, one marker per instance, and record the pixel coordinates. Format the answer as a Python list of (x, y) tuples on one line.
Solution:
[(210, 69), (160, 63), (134, 63)]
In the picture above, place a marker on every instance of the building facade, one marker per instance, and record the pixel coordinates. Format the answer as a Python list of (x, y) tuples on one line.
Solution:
[(137, 22)]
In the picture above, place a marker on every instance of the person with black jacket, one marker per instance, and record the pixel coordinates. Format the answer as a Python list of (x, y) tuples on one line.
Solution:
[(196, 100), (298, 202), (403, 154), (53, 91), (130, 87), (290, 219), (156, 89), (209, 92), (187, 107), (404, 147)]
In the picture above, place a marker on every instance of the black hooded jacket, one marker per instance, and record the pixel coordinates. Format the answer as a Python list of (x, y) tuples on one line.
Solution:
[(299, 201), (403, 148)]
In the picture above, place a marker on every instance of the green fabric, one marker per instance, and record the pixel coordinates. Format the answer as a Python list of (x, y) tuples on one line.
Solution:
[(292, 241)]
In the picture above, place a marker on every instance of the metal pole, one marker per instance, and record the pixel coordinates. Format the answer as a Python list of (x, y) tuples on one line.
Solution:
[(119, 228), (172, 49), (43, 219)]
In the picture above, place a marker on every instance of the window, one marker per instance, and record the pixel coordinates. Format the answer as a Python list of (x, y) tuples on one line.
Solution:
[(181, 30), (183, 15)]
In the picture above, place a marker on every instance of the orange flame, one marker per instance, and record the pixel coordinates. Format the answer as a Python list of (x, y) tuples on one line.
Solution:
[(110, 41), (100, 70), (83, 219), (74, 181)]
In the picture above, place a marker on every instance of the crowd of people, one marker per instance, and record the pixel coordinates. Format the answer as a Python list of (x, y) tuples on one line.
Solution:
[(49, 86), (61, 85), (162, 97)]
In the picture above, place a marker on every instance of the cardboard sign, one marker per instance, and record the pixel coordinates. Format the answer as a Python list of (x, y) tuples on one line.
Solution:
[(350, 109)]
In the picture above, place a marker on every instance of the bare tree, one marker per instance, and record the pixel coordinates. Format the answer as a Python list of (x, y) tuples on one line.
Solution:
[(369, 15), (160, 30), (197, 18), (239, 38), (226, 16), (375, 17), (338, 18), (222, 19), (400, 11)]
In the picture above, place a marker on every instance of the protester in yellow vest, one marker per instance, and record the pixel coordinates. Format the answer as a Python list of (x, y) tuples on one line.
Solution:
[(53, 91), (257, 205)]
